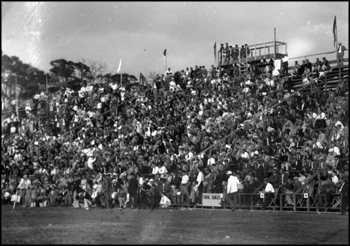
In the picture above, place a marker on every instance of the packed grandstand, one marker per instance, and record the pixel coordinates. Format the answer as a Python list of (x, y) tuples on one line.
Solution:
[(168, 142)]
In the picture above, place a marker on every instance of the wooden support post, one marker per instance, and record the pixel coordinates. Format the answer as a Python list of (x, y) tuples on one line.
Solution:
[(281, 202), (251, 201), (255, 52), (295, 202), (239, 201), (275, 50)]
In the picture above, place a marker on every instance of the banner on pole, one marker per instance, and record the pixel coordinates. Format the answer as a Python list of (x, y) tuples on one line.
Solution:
[(120, 66)]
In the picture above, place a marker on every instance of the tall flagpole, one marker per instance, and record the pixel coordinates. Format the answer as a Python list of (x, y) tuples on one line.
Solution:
[(215, 53), (119, 70), (275, 42)]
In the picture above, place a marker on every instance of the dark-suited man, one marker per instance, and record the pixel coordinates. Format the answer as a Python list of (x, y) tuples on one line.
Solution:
[(339, 164), (275, 178), (260, 172), (133, 185), (344, 190), (284, 179)]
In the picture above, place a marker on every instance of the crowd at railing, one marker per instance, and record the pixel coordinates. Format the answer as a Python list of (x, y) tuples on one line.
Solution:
[(169, 142)]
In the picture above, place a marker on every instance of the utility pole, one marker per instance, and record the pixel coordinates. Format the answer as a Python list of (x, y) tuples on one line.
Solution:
[(275, 41), (15, 91)]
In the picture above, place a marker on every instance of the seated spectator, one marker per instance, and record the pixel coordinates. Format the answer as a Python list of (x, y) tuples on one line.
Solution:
[(318, 64), (268, 192), (327, 188), (121, 193), (289, 187), (325, 64)]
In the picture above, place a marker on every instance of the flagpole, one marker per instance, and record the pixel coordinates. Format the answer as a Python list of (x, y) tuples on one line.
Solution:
[(46, 83), (337, 47), (215, 53), (166, 67), (340, 63)]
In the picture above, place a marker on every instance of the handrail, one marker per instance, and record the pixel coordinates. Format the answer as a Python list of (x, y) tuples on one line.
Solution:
[(271, 42), (258, 188), (323, 53), (308, 181)]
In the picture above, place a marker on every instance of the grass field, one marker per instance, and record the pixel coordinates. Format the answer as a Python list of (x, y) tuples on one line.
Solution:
[(169, 226)]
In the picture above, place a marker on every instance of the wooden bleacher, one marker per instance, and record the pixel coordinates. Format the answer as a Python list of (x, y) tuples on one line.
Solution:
[(330, 79)]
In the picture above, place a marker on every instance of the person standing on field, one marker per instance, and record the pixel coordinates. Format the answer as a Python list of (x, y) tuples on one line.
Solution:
[(232, 189)]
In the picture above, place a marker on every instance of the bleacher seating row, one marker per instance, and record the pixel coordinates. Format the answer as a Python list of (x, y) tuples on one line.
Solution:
[(329, 81)]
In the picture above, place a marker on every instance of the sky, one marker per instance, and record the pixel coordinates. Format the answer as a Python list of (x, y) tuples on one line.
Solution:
[(138, 32)]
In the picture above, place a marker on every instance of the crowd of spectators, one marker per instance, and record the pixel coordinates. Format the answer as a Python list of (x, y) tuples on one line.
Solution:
[(108, 145)]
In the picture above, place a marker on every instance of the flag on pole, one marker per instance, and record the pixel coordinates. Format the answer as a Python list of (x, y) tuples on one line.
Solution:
[(335, 31), (164, 53), (215, 50), (120, 66)]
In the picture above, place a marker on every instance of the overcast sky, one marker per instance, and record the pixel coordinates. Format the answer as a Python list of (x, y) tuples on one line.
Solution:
[(138, 32)]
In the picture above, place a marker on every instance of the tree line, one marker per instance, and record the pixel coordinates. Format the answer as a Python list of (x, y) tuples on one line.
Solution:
[(63, 73)]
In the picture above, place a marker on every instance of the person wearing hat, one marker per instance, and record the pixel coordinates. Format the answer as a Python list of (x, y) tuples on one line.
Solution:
[(260, 174), (232, 189), (275, 178)]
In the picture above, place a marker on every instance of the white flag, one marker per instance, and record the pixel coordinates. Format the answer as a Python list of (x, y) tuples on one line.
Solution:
[(120, 66)]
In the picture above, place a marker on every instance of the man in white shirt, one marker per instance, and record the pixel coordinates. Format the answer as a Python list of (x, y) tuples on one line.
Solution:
[(200, 179), (335, 178), (184, 187), (211, 161), (23, 188), (155, 169), (269, 192), (163, 172), (232, 189)]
